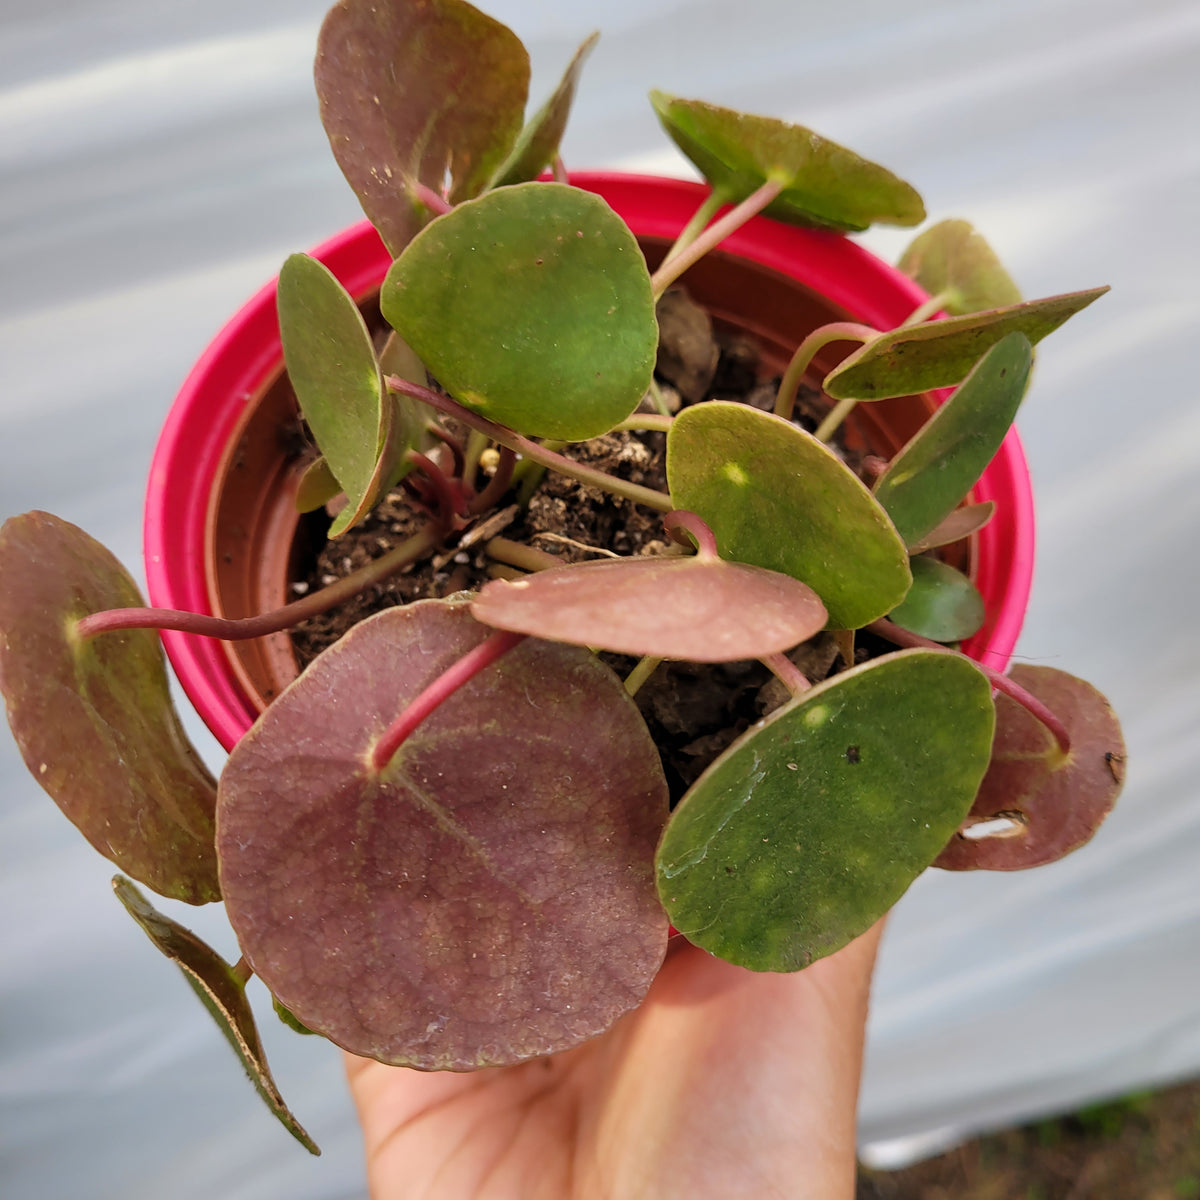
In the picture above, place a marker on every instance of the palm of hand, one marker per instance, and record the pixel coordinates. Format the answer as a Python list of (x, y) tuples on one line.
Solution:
[(723, 1083)]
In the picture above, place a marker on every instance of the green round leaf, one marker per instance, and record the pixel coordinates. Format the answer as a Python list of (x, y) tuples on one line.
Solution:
[(826, 184), (810, 827), (917, 358), (699, 609), (221, 992), (93, 717), (1044, 803), (952, 257), (532, 306), (942, 604), (777, 498), (489, 895), (431, 92), (927, 480)]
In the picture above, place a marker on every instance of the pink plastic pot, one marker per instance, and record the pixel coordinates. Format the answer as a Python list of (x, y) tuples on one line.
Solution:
[(838, 280)]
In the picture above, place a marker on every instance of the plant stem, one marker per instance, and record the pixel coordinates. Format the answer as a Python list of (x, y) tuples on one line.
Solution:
[(242, 971), (657, 397), (658, 422), (699, 219), (836, 331), (528, 448), (448, 492), (559, 170), (923, 312), (701, 534), (714, 235), (477, 443), (497, 485), (786, 672), (517, 554), (640, 673), (440, 690), (234, 630), (1002, 683), (428, 197), (833, 419)]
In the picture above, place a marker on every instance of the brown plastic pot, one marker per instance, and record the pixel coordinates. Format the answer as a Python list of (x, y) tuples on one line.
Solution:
[(771, 282)]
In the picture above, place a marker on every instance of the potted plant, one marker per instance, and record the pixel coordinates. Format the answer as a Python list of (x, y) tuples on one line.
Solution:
[(713, 685)]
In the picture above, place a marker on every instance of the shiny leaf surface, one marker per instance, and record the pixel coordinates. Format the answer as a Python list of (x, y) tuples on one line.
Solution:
[(1053, 802), (812, 825), (938, 354), (700, 609), (488, 896), (827, 185), (942, 604), (532, 306), (432, 92), (93, 717), (931, 475), (777, 498)]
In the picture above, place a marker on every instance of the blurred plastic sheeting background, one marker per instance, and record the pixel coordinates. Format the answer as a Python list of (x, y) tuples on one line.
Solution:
[(157, 162)]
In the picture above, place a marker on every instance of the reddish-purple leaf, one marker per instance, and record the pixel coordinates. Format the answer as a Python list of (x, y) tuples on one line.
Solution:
[(221, 991), (1037, 804), (487, 897), (93, 717), (700, 609), (430, 93)]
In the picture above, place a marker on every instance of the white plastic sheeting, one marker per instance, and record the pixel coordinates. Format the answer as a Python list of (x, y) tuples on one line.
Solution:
[(157, 162)]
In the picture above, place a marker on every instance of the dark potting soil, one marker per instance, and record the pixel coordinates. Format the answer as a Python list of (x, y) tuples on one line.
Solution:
[(693, 710)]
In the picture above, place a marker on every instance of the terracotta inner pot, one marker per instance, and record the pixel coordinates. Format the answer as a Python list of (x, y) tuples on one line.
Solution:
[(256, 539)]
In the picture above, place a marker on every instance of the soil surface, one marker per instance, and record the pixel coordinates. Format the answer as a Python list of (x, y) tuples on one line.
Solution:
[(1143, 1147), (694, 711)]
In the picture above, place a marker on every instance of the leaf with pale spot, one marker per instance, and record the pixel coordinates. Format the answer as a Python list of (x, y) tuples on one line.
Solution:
[(700, 609), (916, 358), (488, 896), (1047, 803), (811, 826), (826, 184), (928, 479), (221, 992), (776, 497), (531, 306), (942, 604), (951, 259), (93, 717), (432, 92), (537, 145)]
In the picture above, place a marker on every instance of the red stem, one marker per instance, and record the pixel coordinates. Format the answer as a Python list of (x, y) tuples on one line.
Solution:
[(786, 672), (1002, 683), (497, 485), (681, 518), (440, 690), (428, 197), (450, 500), (272, 622)]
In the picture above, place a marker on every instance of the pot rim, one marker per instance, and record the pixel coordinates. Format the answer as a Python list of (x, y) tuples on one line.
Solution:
[(246, 354)]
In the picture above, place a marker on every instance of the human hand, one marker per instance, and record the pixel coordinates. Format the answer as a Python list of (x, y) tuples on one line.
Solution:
[(724, 1083)]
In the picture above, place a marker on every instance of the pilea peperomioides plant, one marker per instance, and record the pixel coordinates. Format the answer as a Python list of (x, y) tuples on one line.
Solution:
[(451, 843)]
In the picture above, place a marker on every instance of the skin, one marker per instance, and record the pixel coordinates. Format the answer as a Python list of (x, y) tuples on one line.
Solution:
[(724, 1083)]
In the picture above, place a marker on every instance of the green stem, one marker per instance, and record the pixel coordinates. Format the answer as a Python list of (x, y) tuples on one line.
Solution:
[(657, 397), (640, 673), (659, 422), (834, 418), (837, 331), (528, 448), (923, 312), (477, 443), (242, 971), (699, 219), (518, 554), (714, 235), (232, 630)]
